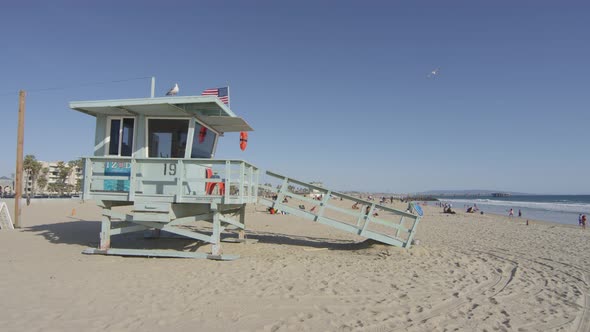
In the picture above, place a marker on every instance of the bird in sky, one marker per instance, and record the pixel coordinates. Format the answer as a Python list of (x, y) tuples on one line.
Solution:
[(173, 91), (433, 73)]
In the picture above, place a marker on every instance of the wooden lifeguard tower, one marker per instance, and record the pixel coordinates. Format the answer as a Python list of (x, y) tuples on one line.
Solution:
[(157, 155)]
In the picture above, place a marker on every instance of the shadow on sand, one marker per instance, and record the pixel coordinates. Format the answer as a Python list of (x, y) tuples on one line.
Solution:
[(86, 233), (306, 241), (75, 231)]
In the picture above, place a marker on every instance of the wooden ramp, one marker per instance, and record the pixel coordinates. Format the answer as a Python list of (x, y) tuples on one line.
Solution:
[(351, 214)]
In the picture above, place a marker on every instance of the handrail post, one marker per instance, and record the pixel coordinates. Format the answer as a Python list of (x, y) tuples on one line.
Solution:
[(412, 233), (281, 193), (401, 223), (153, 89), (367, 219), (251, 182), (132, 180), (180, 176), (259, 176), (324, 202), (227, 180), (242, 179), (87, 178)]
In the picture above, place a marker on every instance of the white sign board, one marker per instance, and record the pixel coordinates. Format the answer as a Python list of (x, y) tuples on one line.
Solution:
[(5, 220)]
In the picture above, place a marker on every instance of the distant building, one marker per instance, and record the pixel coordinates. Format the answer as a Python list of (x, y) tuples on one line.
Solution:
[(52, 177), (500, 194), (6, 186)]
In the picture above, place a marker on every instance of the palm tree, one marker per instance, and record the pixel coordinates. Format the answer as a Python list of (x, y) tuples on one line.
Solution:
[(75, 163), (32, 167), (42, 180), (53, 187), (76, 166), (63, 173)]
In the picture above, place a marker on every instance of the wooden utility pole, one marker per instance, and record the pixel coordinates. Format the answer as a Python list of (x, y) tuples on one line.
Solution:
[(20, 140)]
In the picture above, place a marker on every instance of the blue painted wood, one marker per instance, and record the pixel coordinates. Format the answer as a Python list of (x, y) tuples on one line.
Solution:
[(152, 206), (156, 186), (128, 229), (167, 182), (363, 223), (105, 227), (412, 233), (186, 220), (232, 222), (152, 180), (215, 237), (179, 231), (391, 224), (385, 239), (99, 135)]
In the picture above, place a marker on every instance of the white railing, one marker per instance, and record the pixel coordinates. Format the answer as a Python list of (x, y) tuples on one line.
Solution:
[(170, 180), (364, 218)]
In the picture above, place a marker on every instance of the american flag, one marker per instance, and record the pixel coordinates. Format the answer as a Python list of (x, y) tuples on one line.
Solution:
[(221, 93)]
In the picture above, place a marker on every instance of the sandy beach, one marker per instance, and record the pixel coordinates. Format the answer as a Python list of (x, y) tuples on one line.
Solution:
[(470, 273)]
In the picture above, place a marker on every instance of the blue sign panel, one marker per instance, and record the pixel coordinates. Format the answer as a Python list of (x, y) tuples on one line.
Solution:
[(418, 209), (118, 169)]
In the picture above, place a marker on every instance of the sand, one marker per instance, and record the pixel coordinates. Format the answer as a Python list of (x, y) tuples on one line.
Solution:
[(469, 273)]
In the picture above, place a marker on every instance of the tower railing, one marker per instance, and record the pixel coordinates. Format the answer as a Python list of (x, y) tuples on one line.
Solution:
[(174, 180), (345, 212)]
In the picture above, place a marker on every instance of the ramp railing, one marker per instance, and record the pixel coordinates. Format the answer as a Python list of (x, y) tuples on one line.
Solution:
[(345, 212)]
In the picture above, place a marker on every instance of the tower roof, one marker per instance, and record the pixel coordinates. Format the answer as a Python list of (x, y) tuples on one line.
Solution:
[(207, 109)]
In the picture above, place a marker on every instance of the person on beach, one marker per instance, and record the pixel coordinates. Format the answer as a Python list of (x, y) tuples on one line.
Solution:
[(584, 221), (368, 209), (511, 213), (447, 209), (580, 220), (519, 213)]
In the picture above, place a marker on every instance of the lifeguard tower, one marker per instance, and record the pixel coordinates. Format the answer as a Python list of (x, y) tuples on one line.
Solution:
[(157, 155)]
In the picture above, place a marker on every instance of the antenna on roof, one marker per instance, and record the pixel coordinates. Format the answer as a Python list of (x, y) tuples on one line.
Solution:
[(153, 86)]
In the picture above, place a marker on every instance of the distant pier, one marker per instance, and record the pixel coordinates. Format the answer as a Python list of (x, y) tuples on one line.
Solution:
[(500, 194)]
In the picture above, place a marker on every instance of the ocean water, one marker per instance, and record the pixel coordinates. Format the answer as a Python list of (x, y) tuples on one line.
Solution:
[(563, 209)]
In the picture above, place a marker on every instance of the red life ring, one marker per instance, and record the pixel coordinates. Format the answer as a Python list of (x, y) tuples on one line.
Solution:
[(243, 140), (202, 134), (210, 186)]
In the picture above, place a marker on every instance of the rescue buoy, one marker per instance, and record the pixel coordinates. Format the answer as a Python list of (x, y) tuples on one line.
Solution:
[(202, 134), (243, 140), (210, 186)]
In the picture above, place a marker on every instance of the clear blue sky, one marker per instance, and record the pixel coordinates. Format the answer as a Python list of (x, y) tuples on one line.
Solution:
[(335, 91)]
